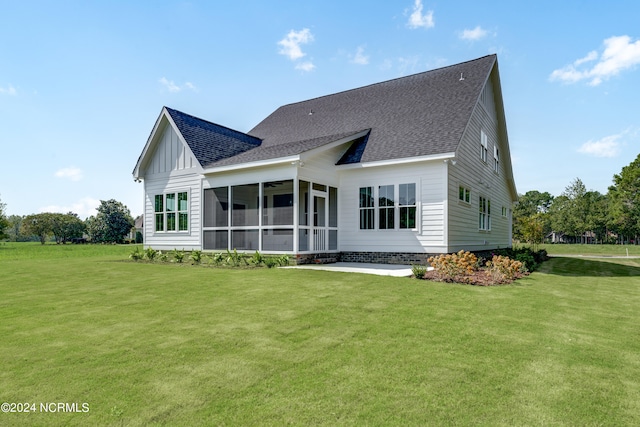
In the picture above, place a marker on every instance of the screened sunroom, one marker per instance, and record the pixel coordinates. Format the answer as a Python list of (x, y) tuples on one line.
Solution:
[(276, 216)]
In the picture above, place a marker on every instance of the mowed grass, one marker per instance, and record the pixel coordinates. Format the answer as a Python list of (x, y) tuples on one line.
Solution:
[(590, 250), (152, 344)]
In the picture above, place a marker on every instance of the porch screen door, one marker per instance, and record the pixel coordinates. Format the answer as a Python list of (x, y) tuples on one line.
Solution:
[(319, 223)]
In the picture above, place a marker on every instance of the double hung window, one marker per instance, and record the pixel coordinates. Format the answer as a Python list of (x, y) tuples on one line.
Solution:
[(367, 209), (171, 212), (394, 205), (484, 214), (483, 146)]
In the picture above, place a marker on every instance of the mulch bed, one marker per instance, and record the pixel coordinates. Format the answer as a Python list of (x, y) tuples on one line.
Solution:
[(478, 278)]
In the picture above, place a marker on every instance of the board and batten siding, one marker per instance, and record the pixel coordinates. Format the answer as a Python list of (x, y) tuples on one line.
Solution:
[(170, 154), (429, 235), (480, 178), (172, 169)]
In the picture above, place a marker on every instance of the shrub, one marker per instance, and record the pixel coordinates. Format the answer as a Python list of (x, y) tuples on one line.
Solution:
[(418, 271), (136, 254), (150, 254), (178, 256), (503, 269), (454, 267), (195, 257), (233, 258), (257, 259), (163, 256), (283, 260), (217, 258)]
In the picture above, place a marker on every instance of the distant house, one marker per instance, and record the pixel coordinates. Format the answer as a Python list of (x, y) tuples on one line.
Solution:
[(390, 172)]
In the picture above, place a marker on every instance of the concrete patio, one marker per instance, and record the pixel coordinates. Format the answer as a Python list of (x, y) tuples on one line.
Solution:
[(357, 267)]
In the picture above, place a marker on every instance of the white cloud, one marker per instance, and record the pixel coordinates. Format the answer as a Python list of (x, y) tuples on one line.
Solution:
[(360, 58), (609, 146), (74, 174), (190, 85), (291, 48), (174, 88), (291, 43), (84, 207), (305, 66), (9, 90), (619, 54), (476, 34), (417, 19)]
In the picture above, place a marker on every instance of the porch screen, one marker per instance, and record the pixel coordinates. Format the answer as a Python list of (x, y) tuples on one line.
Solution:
[(216, 212)]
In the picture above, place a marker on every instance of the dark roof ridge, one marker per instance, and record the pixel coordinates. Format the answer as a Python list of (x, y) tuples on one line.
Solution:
[(390, 80)]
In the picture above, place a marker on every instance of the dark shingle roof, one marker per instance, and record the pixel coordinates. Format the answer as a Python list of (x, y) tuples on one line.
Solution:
[(210, 142), (417, 115)]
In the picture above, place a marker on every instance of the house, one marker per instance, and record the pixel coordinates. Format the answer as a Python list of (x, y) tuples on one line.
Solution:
[(138, 227), (391, 172)]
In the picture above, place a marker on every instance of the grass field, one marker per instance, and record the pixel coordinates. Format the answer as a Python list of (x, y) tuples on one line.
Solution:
[(151, 344), (604, 250)]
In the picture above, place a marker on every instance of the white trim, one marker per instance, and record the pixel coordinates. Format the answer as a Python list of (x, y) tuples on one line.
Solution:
[(312, 152), (151, 141), (404, 160), (249, 165)]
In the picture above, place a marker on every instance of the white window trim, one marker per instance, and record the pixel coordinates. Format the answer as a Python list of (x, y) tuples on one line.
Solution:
[(177, 212), (483, 145), (486, 213), (396, 207), (467, 195)]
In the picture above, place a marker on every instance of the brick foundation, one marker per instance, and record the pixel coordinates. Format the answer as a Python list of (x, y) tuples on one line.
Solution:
[(364, 257)]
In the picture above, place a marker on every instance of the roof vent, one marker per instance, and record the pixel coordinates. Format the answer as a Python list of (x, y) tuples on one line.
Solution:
[(311, 112), (461, 77)]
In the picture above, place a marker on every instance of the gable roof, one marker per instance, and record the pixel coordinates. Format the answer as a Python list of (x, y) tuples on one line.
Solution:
[(418, 115), (211, 142)]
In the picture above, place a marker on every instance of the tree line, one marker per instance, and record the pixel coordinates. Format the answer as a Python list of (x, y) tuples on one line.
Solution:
[(111, 224), (582, 216)]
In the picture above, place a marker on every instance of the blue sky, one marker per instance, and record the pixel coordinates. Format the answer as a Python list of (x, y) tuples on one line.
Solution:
[(82, 83)]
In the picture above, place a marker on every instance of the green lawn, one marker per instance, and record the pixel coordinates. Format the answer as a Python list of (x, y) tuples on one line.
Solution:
[(151, 344), (604, 250)]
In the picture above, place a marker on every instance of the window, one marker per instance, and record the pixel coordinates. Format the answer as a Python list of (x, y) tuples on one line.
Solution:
[(183, 212), (170, 200), (464, 194), (484, 218), (407, 204), (496, 160), (483, 146), (367, 210), (390, 201), (159, 210), (169, 215), (386, 202)]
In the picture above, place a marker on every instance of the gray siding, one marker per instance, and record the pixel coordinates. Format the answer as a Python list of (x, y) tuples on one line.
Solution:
[(473, 173)]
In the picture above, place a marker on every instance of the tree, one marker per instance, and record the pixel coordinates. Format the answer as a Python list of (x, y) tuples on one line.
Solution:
[(15, 224), (66, 226), (569, 210), (112, 223), (625, 200), (37, 225), (4, 222), (530, 216)]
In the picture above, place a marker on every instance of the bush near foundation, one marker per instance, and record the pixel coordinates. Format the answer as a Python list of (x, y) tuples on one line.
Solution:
[(465, 267), (455, 267)]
